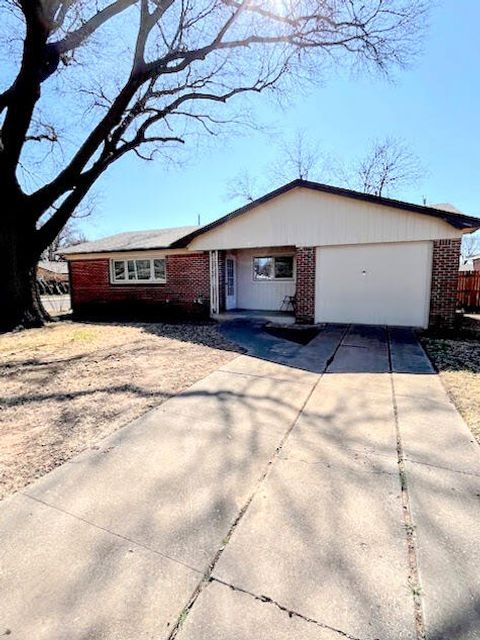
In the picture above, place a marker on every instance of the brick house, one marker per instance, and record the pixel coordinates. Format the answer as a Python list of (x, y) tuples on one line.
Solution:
[(337, 255)]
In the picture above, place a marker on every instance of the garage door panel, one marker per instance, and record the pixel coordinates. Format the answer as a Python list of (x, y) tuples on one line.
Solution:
[(374, 284)]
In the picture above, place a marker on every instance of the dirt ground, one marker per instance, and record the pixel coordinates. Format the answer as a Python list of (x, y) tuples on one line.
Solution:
[(457, 359), (66, 386)]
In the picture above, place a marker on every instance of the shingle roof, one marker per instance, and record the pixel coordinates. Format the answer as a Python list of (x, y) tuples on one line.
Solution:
[(132, 241), (454, 218)]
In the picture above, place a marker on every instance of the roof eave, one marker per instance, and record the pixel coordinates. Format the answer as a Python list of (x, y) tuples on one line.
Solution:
[(131, 250)]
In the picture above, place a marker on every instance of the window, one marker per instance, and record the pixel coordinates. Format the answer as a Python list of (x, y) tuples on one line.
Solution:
[(141, 270), (273, 268)]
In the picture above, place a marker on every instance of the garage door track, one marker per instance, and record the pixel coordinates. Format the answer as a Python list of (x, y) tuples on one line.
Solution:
[(325, 492)]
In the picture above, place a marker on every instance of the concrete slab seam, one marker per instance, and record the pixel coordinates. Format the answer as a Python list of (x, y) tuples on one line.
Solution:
[(110, 532), (206, 578), (261, 376), (291, 613), (414, 573), (422, 463)]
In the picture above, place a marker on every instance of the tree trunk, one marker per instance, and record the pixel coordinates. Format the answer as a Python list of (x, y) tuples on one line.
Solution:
[(20, 304)]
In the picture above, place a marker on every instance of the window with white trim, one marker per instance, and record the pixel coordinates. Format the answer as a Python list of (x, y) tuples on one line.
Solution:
[(267, 268), (140, 270)]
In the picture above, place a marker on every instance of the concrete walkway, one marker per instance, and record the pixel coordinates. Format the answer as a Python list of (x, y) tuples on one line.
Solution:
[(316, 493)]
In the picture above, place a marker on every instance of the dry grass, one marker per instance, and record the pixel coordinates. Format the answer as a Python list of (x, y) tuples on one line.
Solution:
[(457, 359), (66, 386)]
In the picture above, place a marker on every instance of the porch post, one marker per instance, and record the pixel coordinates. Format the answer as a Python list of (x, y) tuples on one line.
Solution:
[(214, 283)]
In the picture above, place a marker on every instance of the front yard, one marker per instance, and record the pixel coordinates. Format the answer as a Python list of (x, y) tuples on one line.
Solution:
[(457, 359), (66, 386)]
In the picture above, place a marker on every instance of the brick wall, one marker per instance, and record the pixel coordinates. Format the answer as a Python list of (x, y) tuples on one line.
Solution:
[(443, 303), (187, 288), (305, 293)]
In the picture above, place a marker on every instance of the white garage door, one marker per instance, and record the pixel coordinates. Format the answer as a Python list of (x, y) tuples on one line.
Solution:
[(374, 283)]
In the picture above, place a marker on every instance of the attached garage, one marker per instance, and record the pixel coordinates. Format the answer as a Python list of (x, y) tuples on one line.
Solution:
[(386, 283)]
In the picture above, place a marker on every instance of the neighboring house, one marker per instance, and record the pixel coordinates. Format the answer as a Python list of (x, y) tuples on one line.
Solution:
[(53, 271), (345, 256), (466, 265), (471, 264), (52, 277)]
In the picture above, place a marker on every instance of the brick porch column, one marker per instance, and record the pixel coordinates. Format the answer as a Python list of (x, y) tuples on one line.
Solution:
[(305, 292), (443, 301)]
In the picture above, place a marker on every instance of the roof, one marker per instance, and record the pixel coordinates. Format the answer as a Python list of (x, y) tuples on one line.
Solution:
[(54, 267), (132, 241), (446, 206), (454, 218)]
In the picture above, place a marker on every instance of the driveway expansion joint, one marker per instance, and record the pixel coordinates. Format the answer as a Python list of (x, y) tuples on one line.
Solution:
[(409, 524), (110, 532), (441, 467), (290, 612)]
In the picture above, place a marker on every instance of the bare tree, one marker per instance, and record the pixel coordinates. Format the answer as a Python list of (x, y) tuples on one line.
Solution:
[(244, 187), (68, 236), (388, 166), (470, 247), (300, 157), (145, 71)]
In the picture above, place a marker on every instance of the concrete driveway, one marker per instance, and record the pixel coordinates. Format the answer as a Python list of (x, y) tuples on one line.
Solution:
[(57, 305), (325, 492)]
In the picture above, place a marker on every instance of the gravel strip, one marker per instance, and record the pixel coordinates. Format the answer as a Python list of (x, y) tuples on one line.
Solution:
[(458, 363)]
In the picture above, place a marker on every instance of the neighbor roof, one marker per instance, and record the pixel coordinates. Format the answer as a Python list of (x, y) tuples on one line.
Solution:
[(132, 241), (452, 217), (54, 266)]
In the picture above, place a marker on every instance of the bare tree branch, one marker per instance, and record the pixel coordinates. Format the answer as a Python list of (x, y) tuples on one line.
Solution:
[(388, 166), (153, 72)]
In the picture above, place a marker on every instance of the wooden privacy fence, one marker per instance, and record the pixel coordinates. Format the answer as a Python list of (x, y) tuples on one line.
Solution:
[(469, 290)]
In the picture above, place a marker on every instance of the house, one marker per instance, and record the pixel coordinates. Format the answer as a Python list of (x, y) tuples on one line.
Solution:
[(52, 276), (470, 264), (49, 270), (475, 262), (341, 255)]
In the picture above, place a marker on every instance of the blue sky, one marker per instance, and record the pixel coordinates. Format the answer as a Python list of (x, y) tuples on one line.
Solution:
[(434, 106)]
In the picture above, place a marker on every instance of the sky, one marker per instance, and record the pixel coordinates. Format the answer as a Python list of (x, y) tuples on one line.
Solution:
[(433, 106)]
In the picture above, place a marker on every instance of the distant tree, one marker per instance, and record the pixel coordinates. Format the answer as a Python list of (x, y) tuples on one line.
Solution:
[(69, 235), (470, 247), (243, 187), (388, 166), (110, 77), (298, 158)]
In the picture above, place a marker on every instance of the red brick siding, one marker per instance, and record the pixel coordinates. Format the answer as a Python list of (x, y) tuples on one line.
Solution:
[(187, 287), (305, 293), (443, 302)]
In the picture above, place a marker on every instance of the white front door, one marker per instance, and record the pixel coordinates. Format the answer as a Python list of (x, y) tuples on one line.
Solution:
[(230, 283)]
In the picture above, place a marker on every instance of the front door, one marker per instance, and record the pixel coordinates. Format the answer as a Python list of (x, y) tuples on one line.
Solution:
[(230, 283)]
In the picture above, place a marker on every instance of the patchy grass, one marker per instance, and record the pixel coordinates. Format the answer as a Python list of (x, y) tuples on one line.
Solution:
[(457, 358), (66, 386)]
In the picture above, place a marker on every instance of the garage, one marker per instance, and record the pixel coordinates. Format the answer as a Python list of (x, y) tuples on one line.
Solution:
[(385, 283)]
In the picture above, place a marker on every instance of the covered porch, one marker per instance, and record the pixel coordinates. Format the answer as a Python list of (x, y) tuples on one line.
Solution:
[(260, 280)]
